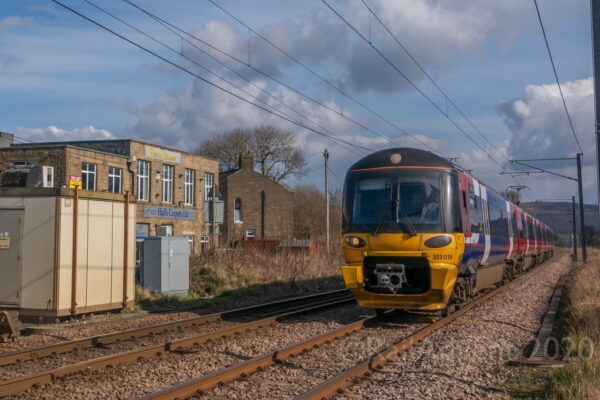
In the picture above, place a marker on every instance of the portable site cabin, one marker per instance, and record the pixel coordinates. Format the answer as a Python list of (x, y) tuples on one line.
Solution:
[(46, 246)]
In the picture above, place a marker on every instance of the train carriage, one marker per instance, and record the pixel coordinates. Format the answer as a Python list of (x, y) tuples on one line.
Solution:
[(421, 233)]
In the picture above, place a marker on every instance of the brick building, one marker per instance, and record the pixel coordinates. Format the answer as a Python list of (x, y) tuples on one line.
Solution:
[(173, 189), (255, 206)]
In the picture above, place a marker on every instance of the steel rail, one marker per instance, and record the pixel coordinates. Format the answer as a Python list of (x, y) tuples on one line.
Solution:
[(21, 383), (206, 382), (233, 372), (339, 383), (67, 346)]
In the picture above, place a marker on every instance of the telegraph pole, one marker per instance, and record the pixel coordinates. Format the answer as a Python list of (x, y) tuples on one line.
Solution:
[(595, 12), (326, 156), (574, 232), (581, 224)]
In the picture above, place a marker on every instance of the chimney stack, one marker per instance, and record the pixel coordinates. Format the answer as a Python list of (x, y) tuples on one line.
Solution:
[(6, 140), (247, 161)]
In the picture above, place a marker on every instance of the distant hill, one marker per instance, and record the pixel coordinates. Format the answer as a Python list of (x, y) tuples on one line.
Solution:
[(557, 215)]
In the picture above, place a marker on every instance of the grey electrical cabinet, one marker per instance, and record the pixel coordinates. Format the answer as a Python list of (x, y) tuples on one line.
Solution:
[(165, 266)]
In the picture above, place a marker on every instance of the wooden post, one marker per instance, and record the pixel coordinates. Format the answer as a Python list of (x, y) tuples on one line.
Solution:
[(126, 250), (74, 255)]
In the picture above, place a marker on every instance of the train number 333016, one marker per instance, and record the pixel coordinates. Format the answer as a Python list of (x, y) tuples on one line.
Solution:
[(442, 257)]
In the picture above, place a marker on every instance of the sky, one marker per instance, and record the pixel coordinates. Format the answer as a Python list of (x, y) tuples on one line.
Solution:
[(64, 78)]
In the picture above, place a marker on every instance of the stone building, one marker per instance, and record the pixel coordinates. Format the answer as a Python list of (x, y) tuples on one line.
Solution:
[(173, 190), (255, 206)]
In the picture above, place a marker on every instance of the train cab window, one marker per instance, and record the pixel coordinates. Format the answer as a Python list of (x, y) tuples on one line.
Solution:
[(402, 201)]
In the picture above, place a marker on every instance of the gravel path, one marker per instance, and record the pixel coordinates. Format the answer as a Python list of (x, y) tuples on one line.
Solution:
[(467, 358), (138, 378)]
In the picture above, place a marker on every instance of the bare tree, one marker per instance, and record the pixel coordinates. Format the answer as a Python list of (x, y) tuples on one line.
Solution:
[(309, 212), (273, 148), (227, 147)]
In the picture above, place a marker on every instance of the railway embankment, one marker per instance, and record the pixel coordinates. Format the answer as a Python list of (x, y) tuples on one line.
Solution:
[(578, 329)]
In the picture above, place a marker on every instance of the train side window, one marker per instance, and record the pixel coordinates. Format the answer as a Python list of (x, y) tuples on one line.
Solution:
[(476, 213)]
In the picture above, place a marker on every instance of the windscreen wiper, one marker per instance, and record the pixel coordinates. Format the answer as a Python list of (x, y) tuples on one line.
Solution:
[(406, 221), (375, 231), (396, 206)]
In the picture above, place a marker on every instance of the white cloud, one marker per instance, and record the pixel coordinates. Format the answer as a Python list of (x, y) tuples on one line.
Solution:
[(540, 125), (9, 23), (541, 130), (55, 134), (441, 35), (186, 116)]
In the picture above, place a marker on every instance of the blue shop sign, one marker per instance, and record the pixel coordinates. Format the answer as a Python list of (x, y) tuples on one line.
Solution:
[(168, 212)]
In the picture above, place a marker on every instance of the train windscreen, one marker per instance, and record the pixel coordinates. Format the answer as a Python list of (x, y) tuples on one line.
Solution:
[(398, 200)]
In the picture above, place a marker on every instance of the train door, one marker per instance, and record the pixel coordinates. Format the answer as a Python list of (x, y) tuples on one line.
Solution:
[(511, 230), (485, 225), (472, 214)]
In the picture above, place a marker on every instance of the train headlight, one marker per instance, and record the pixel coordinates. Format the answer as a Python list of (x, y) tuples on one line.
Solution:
[(438, 241), (354, 241)]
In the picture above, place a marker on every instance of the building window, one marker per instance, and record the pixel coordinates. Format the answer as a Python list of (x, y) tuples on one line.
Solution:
[(114, 179), (189, 186), (208, 186), (88, 176), (237, 211), (167, 184), (143, 180), (191, 240), (164, 230)]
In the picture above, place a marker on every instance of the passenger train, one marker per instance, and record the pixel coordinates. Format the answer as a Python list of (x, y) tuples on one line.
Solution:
[(419, 232)]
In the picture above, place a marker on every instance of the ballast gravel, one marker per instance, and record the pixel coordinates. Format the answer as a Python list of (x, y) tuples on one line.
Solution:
[(135, 379)]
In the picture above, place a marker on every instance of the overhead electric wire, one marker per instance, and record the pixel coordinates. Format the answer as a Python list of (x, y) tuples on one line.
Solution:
[(307, 68), (217, 75), (430, 78), (402, 74), (537, 9), (184, 69)]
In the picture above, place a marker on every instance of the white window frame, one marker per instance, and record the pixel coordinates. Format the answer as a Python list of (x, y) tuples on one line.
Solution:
[(237, 212), (143, 180), (189, 187), (115, 176), (168, 230), (209, 183), (87, 170), (167, 183)]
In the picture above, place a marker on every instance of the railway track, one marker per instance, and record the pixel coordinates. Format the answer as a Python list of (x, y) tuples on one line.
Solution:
[(198, 386), (260, 316)]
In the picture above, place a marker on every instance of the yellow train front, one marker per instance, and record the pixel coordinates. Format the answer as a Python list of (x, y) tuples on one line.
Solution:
[(402, 237)]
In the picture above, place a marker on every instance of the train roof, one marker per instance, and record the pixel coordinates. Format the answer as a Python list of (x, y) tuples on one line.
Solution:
[(408, 157)]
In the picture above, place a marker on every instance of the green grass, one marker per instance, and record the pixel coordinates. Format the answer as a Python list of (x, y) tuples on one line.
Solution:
[(577, 381), (527, 383)]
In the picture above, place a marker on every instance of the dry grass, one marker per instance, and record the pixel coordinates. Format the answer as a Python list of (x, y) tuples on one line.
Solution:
[(214, 273), (580, 325), (241, 276)]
